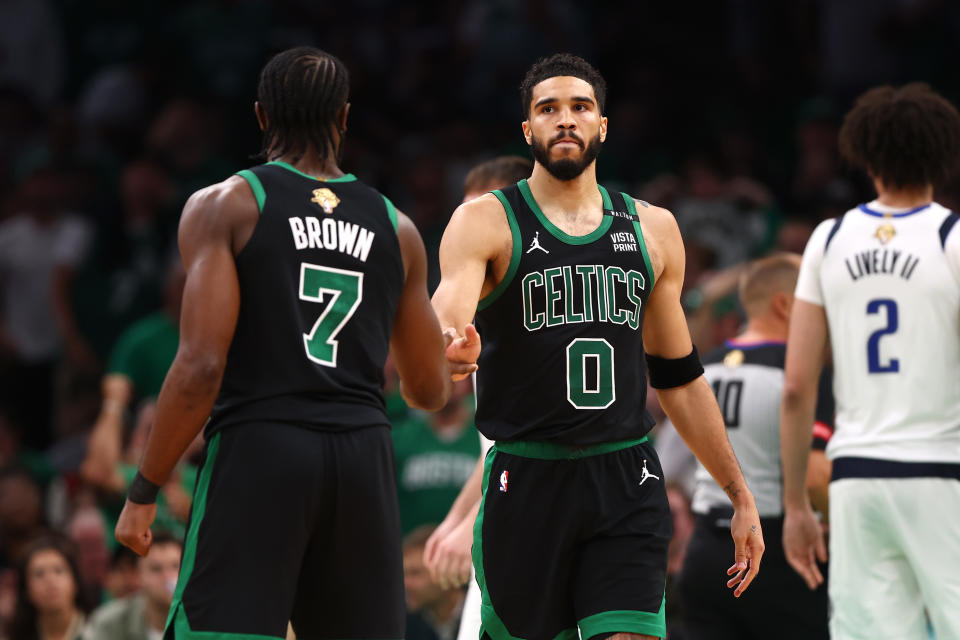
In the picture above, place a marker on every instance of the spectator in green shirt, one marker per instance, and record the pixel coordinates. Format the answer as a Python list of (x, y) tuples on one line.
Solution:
[(435, 454)]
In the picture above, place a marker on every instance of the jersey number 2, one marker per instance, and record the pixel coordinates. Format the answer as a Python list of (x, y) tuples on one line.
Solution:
[(346, 287), (873, 343)]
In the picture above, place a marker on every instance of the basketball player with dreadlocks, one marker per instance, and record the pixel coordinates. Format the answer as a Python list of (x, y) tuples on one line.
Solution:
[(572, 285), (299, 280)]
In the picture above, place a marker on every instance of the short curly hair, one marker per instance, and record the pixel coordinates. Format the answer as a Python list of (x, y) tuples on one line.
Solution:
[(906, 136), (561, 64)]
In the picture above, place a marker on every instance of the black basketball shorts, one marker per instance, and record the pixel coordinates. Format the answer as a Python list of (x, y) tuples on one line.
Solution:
[(292, 524), (778, 603), (572, 537)]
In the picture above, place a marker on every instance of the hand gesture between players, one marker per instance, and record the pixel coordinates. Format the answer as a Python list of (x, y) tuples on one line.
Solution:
[(748, 541), (462, 351)]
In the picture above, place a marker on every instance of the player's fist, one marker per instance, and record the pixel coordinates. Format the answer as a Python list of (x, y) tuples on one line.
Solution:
[(133, 527)]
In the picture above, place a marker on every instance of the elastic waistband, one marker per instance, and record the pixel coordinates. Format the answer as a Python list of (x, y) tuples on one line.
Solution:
[(551, 451), (873, 468)]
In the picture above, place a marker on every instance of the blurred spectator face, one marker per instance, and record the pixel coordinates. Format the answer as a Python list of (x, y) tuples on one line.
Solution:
[(146, 190), (123, 578), (50, 584), (421, 591), (88, 533), (183, 134), (158, 573), (793, 236), (20, 504)]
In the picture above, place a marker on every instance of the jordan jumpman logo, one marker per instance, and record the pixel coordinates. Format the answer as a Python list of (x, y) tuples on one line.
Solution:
[(646, 474), (536, 243)]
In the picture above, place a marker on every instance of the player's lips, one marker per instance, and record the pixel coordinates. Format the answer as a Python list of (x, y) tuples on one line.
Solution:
[(569, 141)]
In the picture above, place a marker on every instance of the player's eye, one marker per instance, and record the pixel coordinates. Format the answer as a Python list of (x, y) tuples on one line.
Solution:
[(548, 109)]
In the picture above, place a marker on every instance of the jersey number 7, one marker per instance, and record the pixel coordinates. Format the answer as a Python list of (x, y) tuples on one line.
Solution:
[(346, 287)]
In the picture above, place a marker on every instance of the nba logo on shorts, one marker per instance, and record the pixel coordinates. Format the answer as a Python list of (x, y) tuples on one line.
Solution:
[(503, 481)]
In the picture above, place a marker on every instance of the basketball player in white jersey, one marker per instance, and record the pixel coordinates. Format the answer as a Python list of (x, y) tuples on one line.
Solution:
[(881, 285), (447, 552)]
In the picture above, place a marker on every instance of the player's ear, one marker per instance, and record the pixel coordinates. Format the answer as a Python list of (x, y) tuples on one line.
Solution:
[(603, 128), (782, 305), (342, 116), (527, 132), (261, 116)]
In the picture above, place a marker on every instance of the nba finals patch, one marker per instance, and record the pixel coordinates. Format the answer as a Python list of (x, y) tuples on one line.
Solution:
[(733, 359), (327, 199), (885, 233)]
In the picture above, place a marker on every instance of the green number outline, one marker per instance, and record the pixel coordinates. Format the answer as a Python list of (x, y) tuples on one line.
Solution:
[(345, 301), (583, 392)]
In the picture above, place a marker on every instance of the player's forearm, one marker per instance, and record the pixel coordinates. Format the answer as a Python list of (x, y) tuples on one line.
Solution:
[(797, 411), (469, 497), (693, 410), (183, 407)]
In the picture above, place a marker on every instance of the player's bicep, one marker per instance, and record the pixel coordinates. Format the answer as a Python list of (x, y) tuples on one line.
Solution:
[(464, 254), (211, 294), (665, 332), (806, 347)]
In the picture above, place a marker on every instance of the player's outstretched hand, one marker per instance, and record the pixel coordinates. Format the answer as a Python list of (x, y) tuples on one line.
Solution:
[(133, 527), (803, 544), (748, 543), (449, 559), (462, 351)]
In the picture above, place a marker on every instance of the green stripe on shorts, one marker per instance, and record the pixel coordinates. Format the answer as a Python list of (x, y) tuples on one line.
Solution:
[(551, 451), (645, 622)]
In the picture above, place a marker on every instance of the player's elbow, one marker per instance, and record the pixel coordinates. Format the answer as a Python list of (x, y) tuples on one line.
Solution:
[(199, 370), (795, 396)]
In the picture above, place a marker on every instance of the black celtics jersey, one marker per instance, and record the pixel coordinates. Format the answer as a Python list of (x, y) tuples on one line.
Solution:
[(320, 280), (562, 357)]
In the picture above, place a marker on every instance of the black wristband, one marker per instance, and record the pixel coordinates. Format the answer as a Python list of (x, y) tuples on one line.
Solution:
[(667, 373), (142, 491)]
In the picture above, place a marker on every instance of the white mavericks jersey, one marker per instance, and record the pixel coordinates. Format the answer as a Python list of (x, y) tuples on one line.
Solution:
[(889, 280)]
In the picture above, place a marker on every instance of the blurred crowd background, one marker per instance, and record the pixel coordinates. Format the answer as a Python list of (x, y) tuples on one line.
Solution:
[(112, 113)]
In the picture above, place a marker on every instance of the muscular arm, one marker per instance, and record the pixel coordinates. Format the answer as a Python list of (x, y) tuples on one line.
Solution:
[(692, 407), (473, 239), (211, 302), (417, 342), (802, 537), (806, 347)]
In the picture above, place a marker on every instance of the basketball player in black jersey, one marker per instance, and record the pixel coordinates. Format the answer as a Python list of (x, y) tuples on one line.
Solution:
[(570, 284), (299, 280)]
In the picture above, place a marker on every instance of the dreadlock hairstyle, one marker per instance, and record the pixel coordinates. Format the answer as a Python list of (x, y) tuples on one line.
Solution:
[(562, 64), (301, 90), (907, 136)]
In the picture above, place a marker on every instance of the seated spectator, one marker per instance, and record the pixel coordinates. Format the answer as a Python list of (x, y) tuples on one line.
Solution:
[(88, 534), (49, 604), (21, 513), (435, 455), (123, 576), (433, 612), (142, 615)]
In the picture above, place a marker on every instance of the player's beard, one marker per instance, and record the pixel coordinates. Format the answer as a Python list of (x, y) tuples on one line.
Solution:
[(565, 169)]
